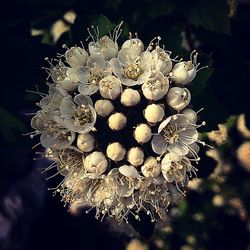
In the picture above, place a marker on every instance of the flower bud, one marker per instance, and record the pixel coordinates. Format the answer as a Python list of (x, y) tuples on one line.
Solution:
[(135, 45), (96, 163), (178, 98), (110, 87), (154, 113), (85, 142), (151, 168), (135, 156), (142, 133), (117, 121), (190, 114), (115, 151), (130, 97), (76, 56), (183, 72), (104, 107), (243, 155)]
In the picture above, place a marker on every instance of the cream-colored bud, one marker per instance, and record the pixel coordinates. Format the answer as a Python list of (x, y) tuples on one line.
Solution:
[(130, 97), (178, 98), (110, 87), (142, 133), (154, 113), (190, 114), (135, 156), (104, 107), (117, 121), (96, 163), (85, 142), (115, 151), (243, 155), (151, 168)]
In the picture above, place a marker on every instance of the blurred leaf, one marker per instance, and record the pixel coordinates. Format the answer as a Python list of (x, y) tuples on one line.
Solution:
[(161, 8), (183, 206), (211, 15), (9, 123), (104, 25)]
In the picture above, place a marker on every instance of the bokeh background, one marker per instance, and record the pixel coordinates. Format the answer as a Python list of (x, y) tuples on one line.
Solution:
[(215, 214)]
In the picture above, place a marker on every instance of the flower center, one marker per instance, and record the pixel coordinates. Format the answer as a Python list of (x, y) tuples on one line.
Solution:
[(96, 75), (189, 65), (170, 133), (82, 115), (132, 71)]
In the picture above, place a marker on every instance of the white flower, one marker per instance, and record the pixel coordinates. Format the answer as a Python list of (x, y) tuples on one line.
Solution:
[(90, 76), (65, 77), (52, 133), (85, 142), (130, 97), (154, 113), (184, 72), (76, 56), (77, 115), (131, 69), (142, 133), (161, 61), (156, 87), (104, 107), (96, 163), (135, 156), (115, 151), (175, 167), (178, 98), (151, 167), (175, 134), (110, 87), (134, 45), (105, 47), (117, 121)]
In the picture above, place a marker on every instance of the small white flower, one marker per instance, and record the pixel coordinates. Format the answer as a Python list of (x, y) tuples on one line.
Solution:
[(161, 61), (96, 163), (142, 133), (110, 87), (135, 156), (134, 45), (131, 69), (175, 134), (104, 107), (117, 121), (115, 151), (76, 56), (85, 142), (174, 167), (151, 167), (184, 72), (90, 76), (154, 113), (105, 47), (77, 115), (130, 97), (178, 98), (156, 87)]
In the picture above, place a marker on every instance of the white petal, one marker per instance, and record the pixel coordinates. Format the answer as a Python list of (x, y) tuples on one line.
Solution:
[(158, 144), (81, 99), (128, 171), (87, 89), (67, 107)]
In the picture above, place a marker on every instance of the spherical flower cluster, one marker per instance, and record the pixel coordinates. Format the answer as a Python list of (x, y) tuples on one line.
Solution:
[(118, 127)]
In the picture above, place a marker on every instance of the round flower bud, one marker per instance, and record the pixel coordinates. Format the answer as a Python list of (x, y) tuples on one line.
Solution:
[(110, 87), (85, 142), (104, 107), (243, 155), (115, 151), (154, 113), (96, 163), (183, 72), (178, 98), (151, 168), (117, 121), (130, 97), (135, 156), (142, 133), (135, 45), (190, 114)]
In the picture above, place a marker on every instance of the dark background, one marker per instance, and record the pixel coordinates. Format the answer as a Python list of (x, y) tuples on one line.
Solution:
[(30, 218)]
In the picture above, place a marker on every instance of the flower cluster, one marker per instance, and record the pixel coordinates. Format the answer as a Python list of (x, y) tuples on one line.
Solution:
[(118, 126)]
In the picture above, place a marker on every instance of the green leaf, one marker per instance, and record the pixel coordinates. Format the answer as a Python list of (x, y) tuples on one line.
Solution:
[(104, 25), (9, 123), (211, 15)]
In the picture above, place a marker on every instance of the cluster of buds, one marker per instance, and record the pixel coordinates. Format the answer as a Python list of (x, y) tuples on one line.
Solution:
[(118, 127)]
